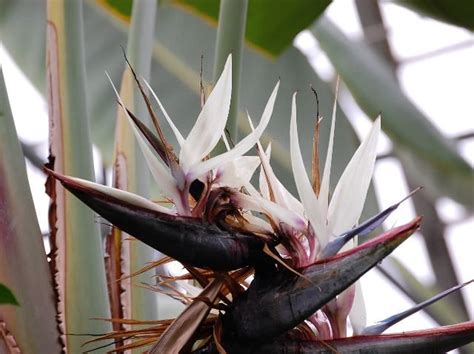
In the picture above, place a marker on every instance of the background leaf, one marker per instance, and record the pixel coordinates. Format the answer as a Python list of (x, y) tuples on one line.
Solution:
[(130, 173), (23, 264), (270, 27), (436, 164), (77, 252), (458, 13), (6, 296)]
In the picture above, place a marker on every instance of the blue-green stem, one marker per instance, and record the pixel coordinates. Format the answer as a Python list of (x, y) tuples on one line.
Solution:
[(230, 40)]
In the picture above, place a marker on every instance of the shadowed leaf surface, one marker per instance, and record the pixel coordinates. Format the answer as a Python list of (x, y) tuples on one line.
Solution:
[(23, 264)]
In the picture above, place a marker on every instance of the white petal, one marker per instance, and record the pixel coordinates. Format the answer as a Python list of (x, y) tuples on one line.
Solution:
[(236, 172), (262, 179), (351, 190), (158, 169), (305, 190), (257, 224), (282, 195), (358, 313), (127, 197), (226, 142), (256, 202), (210, 123), (242, 147), (324, 190), (175, 130)]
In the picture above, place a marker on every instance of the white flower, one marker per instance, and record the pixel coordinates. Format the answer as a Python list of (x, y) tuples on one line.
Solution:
[(330, 219), (201, 140)]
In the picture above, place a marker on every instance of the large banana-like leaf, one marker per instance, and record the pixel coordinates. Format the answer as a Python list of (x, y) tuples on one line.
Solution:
[(434, 160), (128, 298), (270, 28), (77, 254), (459, 12), (23, 264)]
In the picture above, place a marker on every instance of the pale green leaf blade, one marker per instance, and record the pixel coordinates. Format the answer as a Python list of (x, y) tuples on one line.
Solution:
[(77, 248), (23, 265), (230, 36)]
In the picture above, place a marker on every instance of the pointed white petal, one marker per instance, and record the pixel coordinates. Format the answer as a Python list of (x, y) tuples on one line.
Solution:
[(282, 196), (324, 190), (175, 130), (256, 202), (351, 190), (158, 169), (262, 179), (303, 184), (210, 123), (358, 313), (257, 225), (236, 172), (127, 197), (226, 143), (242, 147)]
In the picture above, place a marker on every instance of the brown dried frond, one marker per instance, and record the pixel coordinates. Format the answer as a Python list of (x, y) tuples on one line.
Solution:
[(151, 265)]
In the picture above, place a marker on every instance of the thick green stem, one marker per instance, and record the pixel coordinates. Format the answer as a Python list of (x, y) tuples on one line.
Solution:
[(230, 40)]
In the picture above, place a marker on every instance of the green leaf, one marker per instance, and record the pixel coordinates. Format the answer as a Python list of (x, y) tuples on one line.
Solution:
[(6, 296), (230, 41), (23, 263), (459, 13), (78, 254), (270, 27), (436, 163)]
